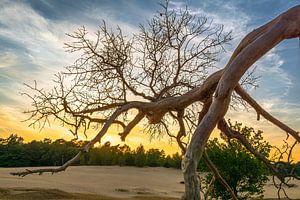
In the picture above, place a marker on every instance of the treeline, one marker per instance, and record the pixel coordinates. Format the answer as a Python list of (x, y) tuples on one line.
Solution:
[(15, 153)]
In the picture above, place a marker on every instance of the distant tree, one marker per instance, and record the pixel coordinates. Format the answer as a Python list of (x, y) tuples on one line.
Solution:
[(127, 157), (297, 169), (165, 73), (140, 157), (155, 157), (39, 153), (176, 160), (61, 150), (12, 152), (13, 139)]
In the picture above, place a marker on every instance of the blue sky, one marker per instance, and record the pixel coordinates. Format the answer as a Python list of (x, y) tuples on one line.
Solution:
[(32, 34)]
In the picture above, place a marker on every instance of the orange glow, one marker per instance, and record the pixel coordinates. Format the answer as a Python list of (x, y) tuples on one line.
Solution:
[(10, 123)]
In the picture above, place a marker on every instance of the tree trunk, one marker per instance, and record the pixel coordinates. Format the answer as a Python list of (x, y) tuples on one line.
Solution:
[(197, 145), (192, 183)]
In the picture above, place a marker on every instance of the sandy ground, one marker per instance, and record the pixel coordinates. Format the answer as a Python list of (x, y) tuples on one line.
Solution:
[(114, 181)]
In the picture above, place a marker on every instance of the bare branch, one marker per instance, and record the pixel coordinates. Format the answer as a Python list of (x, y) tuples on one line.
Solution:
[(85, 149), (265, 114), (131, 125)]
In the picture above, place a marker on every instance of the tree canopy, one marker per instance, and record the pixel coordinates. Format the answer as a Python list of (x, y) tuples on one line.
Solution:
[(244, 173)]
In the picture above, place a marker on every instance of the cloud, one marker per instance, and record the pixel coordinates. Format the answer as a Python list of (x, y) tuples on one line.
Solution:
[(31, 49), (275, 80), (41, 38), (230, 16), (39, 41), (8, 59)]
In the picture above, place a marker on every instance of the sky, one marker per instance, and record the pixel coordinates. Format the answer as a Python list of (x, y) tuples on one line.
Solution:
[(32, 36)]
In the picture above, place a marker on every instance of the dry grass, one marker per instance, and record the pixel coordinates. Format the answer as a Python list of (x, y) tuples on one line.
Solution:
[(52, 194), (47, 194)]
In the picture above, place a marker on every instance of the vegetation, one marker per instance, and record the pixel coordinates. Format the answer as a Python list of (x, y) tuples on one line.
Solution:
[(244, 173), (15, 153)]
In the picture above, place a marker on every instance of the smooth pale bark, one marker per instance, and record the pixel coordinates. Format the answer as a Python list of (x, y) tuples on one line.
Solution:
[(284, 26)]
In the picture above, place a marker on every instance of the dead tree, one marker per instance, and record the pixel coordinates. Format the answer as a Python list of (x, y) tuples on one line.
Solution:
[(162, 74)]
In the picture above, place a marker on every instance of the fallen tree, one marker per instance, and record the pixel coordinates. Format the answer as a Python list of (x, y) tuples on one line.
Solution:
[(161, 74)]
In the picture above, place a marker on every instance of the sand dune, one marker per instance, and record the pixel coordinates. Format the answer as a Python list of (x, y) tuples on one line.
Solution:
[(114, 181)]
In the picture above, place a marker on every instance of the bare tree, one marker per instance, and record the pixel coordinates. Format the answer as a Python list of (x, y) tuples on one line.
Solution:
[(162, 73)]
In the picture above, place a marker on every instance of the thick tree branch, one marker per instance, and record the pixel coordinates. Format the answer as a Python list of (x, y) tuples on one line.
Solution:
[(131, 125), (50, 170)]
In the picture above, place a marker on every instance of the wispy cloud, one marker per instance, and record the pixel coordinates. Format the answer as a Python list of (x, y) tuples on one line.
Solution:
[(234, 19), (35, 51), (7, 59), (40, 37), (275, 80)]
